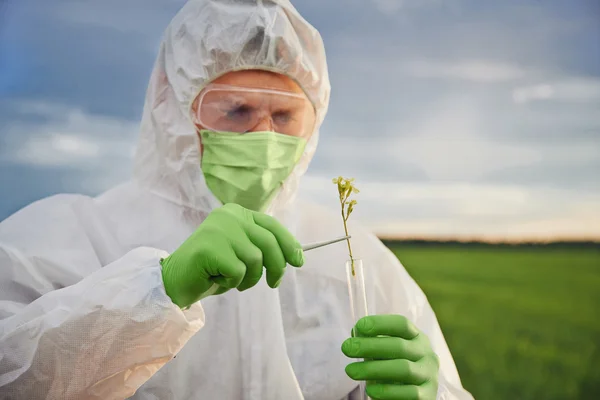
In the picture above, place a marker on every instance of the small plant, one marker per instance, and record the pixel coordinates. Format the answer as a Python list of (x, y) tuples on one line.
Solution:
[(345, 189)]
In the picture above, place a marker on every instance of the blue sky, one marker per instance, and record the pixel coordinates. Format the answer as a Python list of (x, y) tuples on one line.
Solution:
[(468, 118)]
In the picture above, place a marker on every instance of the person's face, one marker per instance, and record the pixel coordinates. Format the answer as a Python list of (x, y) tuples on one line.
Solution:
[(253, 101)]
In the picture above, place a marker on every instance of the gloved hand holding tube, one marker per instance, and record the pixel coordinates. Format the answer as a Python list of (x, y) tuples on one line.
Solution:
[(230, 249), (400, 362)]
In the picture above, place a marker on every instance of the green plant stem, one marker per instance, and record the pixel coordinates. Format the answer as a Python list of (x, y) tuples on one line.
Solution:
[(345, 219)]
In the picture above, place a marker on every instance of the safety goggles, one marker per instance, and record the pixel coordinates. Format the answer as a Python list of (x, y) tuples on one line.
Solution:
[(225, 108)]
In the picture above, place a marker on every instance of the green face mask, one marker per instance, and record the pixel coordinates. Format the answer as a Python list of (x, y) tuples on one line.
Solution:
[(248, 169)]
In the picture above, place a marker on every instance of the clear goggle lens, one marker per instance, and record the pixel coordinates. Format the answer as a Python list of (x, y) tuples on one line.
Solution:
[(225, 108)]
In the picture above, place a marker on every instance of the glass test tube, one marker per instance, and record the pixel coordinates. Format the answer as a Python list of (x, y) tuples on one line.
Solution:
[(358, 300)]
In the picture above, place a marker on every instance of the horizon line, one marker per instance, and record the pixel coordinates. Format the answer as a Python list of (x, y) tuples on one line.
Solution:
[(489, 240)]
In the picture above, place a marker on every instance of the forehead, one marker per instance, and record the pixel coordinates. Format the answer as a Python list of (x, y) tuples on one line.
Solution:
[(259, 80)]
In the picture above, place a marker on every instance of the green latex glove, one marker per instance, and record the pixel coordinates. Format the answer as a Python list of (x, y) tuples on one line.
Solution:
[(399, 361), (229, 249)]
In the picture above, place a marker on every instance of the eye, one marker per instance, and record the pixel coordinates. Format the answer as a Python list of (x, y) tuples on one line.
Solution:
[(282, 117), (239, 113)]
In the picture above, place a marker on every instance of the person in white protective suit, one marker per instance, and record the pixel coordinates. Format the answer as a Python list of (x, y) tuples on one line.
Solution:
[(132, 294)]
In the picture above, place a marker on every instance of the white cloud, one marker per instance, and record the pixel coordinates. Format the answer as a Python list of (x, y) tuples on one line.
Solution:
[(70, 138), (459, 138), (530, 93), (448, 142), (55, 149), (451, 144), (574, 89), (460, 210), (481, 71)]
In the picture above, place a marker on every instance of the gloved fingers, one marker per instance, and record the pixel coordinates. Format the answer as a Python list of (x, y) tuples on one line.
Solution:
[(386, 325), (383, 391), (252, 257), (227, 270), (382, 348), (272, 255), (291, 248), (392, 371)]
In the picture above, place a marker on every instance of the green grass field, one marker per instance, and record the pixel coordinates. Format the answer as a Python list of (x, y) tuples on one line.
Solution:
[(521, 322)]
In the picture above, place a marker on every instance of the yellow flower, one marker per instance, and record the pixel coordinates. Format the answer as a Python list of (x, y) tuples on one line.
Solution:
[(351, 205), (345, 189)]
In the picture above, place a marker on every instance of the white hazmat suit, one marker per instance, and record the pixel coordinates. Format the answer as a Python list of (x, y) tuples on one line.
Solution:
[(83, 311)]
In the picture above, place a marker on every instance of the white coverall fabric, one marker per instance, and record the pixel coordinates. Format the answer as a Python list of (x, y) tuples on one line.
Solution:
[(83, 312)]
